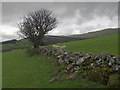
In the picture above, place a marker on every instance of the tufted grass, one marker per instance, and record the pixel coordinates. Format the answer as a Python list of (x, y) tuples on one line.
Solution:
[(22, 71), (108, 43)]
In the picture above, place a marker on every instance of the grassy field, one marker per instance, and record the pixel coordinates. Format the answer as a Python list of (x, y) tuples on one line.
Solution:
[(19, 44), (22, 71), (0, 70), (48, 39), (97, 45)]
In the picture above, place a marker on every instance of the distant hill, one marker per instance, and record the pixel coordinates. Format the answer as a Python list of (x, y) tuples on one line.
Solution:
[(9, 41), (99, 33), (24, 43), (59, 39)]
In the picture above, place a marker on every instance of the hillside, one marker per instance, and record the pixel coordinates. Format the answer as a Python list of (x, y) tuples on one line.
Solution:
[(108, 43), (23, 43), (99, 33), (22, 71), (31, 72)]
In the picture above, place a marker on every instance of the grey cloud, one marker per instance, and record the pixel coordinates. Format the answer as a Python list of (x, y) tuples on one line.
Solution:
[(12, 10), (91, 28), (9, 37), (0, 13), (74, 17)]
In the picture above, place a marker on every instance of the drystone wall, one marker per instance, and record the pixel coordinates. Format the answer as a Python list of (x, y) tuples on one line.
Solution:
[(98, 68), (74, 60)]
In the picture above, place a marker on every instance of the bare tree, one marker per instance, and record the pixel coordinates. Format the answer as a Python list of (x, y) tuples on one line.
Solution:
[(36, 24)]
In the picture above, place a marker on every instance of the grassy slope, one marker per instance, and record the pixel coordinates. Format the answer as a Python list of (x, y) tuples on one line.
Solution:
[(19, 44), (107, 31), (0, 70), (59, 39), (97, 45), (21, 71)]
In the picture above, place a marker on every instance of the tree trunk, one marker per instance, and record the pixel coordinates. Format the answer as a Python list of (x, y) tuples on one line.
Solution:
[(36, 46)]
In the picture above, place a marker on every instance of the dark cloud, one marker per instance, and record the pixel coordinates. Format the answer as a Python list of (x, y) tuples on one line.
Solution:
[(74, 17), (12, 10), (0, 13)]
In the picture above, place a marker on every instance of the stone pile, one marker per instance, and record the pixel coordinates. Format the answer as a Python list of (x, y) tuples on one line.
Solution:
[(98, 68), (81, 61)]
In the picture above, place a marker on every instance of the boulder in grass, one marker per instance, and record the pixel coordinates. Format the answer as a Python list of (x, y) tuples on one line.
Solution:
[(87, 56), (112, 60), (116, 68), (65, 53), (77, 68), (110, 64), (79, 61), (67, 61), (54, 79), (61, 61), (71, 76), (72, 70), (118, 60), (73, 64), (65, 71)]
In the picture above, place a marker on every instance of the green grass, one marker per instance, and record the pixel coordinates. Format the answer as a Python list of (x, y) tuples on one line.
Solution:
[(22, 71), (0, 70), (108, 43), (19, 44)]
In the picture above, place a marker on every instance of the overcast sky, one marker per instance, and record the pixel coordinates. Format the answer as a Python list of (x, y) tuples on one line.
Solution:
[(74, 17)]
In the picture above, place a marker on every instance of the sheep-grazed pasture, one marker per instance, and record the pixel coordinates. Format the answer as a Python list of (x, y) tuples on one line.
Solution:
[(108, 43), (22, 71), (48, 39)]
